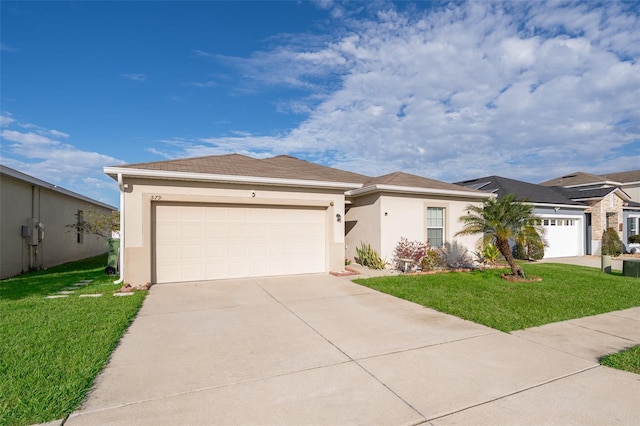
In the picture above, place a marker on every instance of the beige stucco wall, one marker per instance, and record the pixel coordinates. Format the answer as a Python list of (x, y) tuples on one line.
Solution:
[(633, 190), (363, 224), (23, 203), (382, 219), (141, 193)]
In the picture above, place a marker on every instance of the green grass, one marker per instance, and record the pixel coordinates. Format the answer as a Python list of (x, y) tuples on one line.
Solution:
[(565, 292), (627, 360), (51, 350)]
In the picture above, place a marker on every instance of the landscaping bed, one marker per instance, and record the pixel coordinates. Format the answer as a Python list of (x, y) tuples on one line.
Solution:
[(59, 327)]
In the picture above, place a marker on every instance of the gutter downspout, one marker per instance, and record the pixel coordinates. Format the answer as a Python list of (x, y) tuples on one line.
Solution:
[(121, 251)]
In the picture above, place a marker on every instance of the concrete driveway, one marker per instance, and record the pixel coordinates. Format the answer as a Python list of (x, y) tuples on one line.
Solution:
[(318, 349)]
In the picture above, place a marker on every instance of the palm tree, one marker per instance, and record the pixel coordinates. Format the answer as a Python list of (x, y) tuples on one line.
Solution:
[(501, 220)]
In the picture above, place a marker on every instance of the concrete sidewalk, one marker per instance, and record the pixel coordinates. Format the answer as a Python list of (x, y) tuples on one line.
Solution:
[(592, 261), (322, 350)]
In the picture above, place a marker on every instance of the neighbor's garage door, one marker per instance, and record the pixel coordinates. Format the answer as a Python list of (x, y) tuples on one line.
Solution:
[(563, 236), (202, 242)]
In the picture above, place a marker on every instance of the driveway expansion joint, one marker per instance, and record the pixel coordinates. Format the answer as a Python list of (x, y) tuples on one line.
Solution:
[(519, 391)]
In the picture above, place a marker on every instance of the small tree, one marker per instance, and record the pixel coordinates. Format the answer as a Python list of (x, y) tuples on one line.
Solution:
[(611, 243), (95, 222), (501, 220)]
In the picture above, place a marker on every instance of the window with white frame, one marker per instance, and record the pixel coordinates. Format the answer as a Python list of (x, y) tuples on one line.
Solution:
[(435, 226)]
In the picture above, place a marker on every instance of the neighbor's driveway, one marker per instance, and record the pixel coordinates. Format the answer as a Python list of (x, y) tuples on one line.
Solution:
[(318, 349)]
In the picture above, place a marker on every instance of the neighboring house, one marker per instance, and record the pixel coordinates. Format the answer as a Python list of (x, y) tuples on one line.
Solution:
[(612, 200), (562, 219), (34, 216), (232, 216)]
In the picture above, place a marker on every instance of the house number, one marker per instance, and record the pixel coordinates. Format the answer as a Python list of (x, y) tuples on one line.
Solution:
[(156, 197)]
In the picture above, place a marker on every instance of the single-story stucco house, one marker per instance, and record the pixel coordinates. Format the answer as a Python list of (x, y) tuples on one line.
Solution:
[(232, 216), (34, 219)]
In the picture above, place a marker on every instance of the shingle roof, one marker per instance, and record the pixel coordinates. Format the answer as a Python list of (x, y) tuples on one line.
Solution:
[(577, 178), (305, 167), (581, 178), (523, 190), (414, 181), (624, 177), (281, 167), (577, 194)]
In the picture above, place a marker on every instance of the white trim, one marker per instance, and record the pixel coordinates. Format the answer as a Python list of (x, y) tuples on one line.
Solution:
[(120, 280), (602, 182), (562, 206), (416, 190), (162, 174), (8, 171)]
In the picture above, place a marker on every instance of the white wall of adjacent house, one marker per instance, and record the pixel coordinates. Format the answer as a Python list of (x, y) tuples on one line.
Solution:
[(563, 234)]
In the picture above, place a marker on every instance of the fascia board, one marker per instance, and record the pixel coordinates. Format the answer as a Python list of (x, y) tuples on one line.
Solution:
[(416, 190), (55, 188), (170, 175), (562, 206), (603, 182)]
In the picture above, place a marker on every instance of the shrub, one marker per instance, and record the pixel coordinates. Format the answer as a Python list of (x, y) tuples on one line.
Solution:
[(453, 255), (611, 243), (406, 249), (490, 253), (430, 260), (368, 257), (634, 239), (532, 249)]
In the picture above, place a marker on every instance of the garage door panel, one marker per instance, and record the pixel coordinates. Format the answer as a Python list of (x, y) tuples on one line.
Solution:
[(193, 242), (563, 236)]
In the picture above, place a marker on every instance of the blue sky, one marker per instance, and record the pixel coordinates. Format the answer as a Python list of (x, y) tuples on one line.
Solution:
[(449, 91)]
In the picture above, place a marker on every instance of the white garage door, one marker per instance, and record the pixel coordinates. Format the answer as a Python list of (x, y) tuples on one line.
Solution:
[(563, 237), (198, 242)]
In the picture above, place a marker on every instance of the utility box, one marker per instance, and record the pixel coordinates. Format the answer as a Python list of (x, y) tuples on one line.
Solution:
[(631, 268), (113, 256)]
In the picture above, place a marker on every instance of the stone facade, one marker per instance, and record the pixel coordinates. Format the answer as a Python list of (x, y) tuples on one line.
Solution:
[(605, 212)]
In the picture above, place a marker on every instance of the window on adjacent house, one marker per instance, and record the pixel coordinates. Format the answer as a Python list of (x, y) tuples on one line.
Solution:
[(79, 233), (632, 225), (435, 226)]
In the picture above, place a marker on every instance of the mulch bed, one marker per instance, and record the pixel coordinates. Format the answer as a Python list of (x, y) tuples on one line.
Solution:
[(519, 279)]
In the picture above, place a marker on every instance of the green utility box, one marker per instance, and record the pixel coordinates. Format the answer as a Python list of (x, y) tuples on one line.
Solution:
[(631, 268), (113, 256)]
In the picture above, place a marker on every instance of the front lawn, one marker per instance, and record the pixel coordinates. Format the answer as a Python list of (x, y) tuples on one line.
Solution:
[(51, 350), (565, 292), (627, 360)]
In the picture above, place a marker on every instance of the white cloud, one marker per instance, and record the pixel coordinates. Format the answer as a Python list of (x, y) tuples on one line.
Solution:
[(458, 91), (134, 77), (6, 119), (39, 152)]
